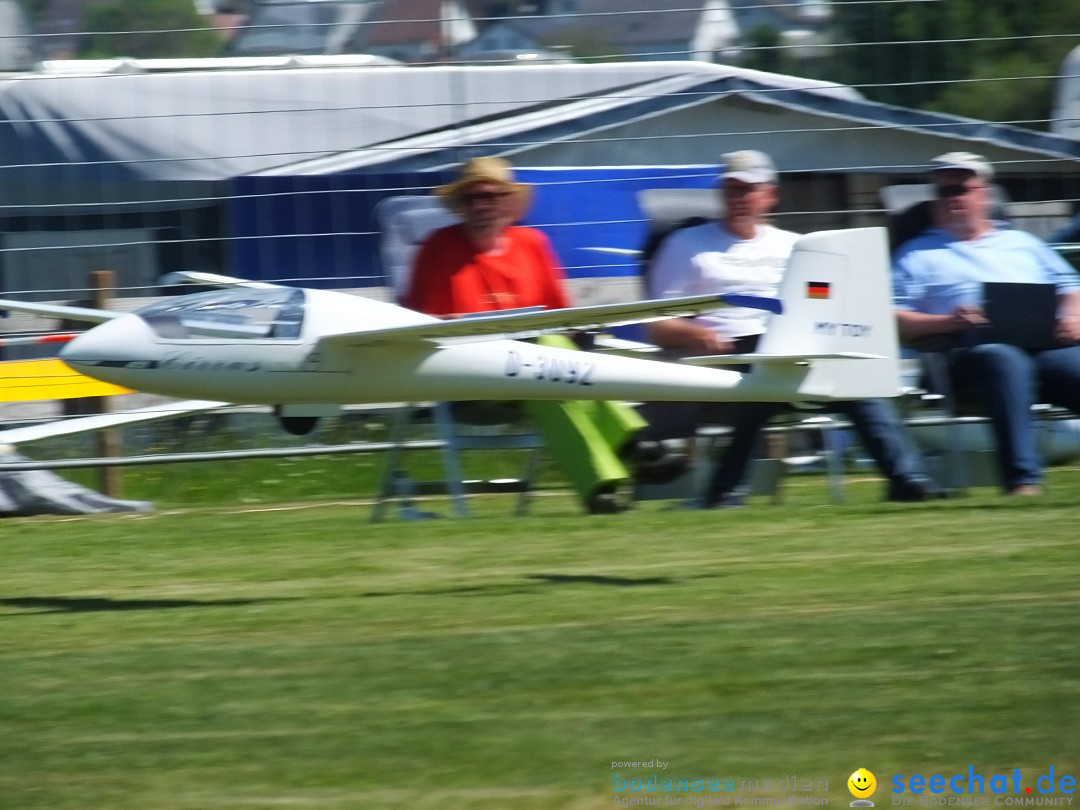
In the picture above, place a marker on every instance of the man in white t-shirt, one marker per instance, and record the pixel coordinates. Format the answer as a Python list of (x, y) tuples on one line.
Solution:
[(741, 253)]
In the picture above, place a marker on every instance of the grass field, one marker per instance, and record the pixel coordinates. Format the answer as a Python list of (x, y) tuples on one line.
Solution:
[(299, 657)]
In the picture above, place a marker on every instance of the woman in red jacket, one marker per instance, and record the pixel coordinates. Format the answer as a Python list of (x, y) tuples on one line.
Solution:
[(486, 262)]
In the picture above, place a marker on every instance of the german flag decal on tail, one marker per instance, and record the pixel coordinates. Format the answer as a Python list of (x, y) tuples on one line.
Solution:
[(817, 289)]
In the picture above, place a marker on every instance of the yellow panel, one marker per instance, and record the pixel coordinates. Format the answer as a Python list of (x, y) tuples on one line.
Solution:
[(28, 380)]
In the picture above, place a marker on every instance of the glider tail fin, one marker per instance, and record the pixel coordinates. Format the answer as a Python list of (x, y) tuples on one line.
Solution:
[(837, 299)]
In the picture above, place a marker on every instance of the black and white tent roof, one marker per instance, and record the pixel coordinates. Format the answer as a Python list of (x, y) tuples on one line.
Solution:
[(91, 137)]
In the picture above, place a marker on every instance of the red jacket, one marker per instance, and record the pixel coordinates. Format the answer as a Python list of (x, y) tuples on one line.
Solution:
[(450, 277)]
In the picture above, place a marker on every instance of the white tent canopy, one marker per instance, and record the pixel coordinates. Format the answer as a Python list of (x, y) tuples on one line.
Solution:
[(153, 138)]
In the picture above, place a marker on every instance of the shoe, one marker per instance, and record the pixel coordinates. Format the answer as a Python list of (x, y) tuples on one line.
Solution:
[(1026, 490), (664, 470), (726, 500), (605, 503), (913, 490), (651, 463)]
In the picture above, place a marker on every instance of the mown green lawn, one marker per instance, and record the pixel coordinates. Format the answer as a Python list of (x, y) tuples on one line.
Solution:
[(276, 656)]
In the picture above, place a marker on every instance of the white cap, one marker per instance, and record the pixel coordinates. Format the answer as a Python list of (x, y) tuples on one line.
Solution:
[(963, 162), (748, 166)]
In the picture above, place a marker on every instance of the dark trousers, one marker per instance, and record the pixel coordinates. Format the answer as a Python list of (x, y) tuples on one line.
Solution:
[(875, 421), (1008, 381)]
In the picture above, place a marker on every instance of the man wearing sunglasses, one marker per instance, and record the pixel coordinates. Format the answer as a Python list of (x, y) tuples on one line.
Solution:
[(937, 284)]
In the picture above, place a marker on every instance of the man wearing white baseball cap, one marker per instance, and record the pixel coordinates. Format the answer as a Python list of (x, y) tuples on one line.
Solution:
[(741, 253), (963, 162), (937, 287), (749, 166)]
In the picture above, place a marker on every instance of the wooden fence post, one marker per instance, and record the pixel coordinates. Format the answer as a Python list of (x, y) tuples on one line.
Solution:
[(108, 442)]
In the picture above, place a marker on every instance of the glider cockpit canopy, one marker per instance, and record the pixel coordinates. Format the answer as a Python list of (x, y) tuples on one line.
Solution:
[(234, 313)]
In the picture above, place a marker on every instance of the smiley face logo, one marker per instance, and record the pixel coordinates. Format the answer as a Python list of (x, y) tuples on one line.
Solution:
[(862, 784)]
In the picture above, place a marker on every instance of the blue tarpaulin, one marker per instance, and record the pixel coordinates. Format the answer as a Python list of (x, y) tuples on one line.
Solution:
[(323, 228)]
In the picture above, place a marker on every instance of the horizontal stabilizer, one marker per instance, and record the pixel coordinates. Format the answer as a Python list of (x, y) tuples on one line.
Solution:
[(527, 324)]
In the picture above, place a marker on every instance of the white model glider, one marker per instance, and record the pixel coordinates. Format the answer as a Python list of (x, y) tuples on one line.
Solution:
[(309, 351)]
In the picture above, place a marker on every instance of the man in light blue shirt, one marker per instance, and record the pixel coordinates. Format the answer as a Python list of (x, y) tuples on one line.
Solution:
[(937, 287)]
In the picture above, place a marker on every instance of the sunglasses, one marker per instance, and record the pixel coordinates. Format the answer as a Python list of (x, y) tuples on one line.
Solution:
[(955, 190), (484, 196)]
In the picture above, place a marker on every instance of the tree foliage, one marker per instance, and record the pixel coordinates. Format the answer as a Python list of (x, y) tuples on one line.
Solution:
[(764, 51), (34, 8), (988, 59), (147, 29)]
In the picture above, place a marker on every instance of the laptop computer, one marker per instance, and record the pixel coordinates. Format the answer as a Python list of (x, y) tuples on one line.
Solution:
[(1023, 315)]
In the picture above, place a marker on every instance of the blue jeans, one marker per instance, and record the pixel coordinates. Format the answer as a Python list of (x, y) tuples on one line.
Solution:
[(875, 421), (1008, 381)]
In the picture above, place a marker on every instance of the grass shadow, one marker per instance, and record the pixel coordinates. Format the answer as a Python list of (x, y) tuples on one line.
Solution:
[(82, 604), (599, 579), (531, 585)]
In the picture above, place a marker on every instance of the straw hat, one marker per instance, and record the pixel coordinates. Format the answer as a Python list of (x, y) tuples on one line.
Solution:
[(482, 170)]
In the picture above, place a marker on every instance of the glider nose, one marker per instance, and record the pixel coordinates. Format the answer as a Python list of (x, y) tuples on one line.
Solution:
[(111, 349)]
